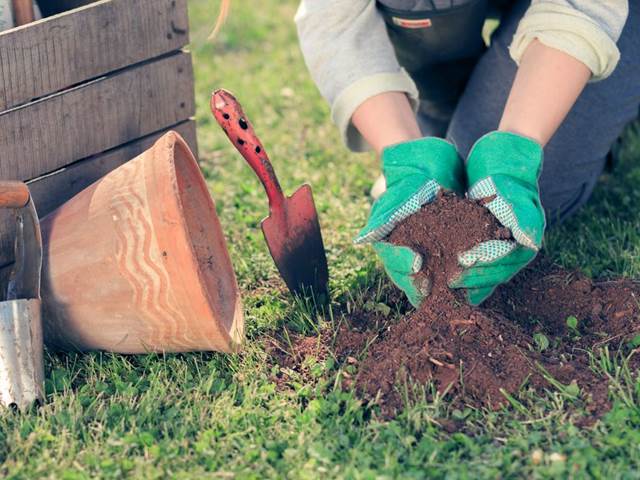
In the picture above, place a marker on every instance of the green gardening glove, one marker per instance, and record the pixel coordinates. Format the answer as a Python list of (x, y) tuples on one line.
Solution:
[(415, 172), (503, 170)]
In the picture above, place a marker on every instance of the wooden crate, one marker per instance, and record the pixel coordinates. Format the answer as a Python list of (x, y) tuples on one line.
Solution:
[(84, 91)]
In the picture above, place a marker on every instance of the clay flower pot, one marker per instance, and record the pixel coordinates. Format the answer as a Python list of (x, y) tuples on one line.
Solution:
[(137, 262)]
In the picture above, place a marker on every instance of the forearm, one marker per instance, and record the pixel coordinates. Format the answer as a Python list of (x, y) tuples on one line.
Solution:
[(546, 86), (349, 55), (386, 119)]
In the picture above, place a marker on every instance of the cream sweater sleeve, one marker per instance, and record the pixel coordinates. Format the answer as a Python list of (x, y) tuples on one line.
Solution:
[(348, 52), (585, 29), (350, 57)]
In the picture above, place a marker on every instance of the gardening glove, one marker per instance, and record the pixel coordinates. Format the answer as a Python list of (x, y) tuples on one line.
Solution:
[(502, 171), (415, 172)]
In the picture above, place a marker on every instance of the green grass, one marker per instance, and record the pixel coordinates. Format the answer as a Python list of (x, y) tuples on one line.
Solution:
[(221, 416)]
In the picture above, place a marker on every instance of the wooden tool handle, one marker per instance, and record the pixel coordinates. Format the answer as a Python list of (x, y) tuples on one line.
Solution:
[(229, 115), (13, 194), (23, 12)]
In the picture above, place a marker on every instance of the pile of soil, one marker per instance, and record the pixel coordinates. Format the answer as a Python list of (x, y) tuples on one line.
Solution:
[(476, 355)]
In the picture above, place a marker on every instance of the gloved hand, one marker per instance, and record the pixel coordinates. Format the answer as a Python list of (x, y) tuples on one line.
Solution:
[(503, 170), (415, 172)]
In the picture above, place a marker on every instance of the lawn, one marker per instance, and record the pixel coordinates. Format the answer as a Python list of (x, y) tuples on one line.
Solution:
[(207, 415)]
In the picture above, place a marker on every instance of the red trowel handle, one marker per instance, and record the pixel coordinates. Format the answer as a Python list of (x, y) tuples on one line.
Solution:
[(13, 194), (231, 118)]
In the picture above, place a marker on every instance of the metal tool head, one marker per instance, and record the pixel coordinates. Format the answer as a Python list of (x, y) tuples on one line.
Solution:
[(21, 344), (291, 230), (295, 241)]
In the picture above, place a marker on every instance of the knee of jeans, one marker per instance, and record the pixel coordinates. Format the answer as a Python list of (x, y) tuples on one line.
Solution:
[(560, 205), (432, 127), (461, 138)]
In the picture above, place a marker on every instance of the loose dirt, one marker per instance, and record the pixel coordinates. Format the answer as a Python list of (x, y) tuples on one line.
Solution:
[(520, 338)]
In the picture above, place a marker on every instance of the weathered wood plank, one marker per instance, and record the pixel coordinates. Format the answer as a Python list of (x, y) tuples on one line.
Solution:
[(43, 136), (51, 191), (64, 50)]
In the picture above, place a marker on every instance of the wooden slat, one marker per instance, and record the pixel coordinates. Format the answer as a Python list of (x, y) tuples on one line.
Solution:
[(46, 135), (64, 50), (51, 191)]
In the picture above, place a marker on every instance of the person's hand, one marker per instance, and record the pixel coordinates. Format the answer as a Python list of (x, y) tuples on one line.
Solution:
[(502, 171), (415, 172)]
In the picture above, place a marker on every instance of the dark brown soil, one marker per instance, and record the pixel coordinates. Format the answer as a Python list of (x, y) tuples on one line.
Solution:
[(477, 355), (438, 234)]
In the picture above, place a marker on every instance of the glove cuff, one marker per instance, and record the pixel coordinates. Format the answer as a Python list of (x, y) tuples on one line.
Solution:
[(505, 153), (429, 157)]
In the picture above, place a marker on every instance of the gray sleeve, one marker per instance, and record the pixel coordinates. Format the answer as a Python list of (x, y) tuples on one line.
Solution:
[(610, 15), (586, 29), (350, 57), (343, 41)]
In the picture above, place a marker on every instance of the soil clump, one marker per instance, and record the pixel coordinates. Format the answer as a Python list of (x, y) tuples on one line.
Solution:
[(532, 333)]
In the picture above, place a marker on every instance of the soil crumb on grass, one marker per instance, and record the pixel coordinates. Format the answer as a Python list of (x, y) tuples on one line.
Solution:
[(521, 337), (296, 354)]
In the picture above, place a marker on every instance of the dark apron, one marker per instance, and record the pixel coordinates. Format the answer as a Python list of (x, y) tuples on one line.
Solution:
[(438, 43)]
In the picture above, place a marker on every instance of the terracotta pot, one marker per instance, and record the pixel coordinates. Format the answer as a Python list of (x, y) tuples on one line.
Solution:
[(137, 262)]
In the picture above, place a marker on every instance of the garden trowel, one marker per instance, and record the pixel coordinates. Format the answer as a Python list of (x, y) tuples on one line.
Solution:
[(291, 230), (21, 345)]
